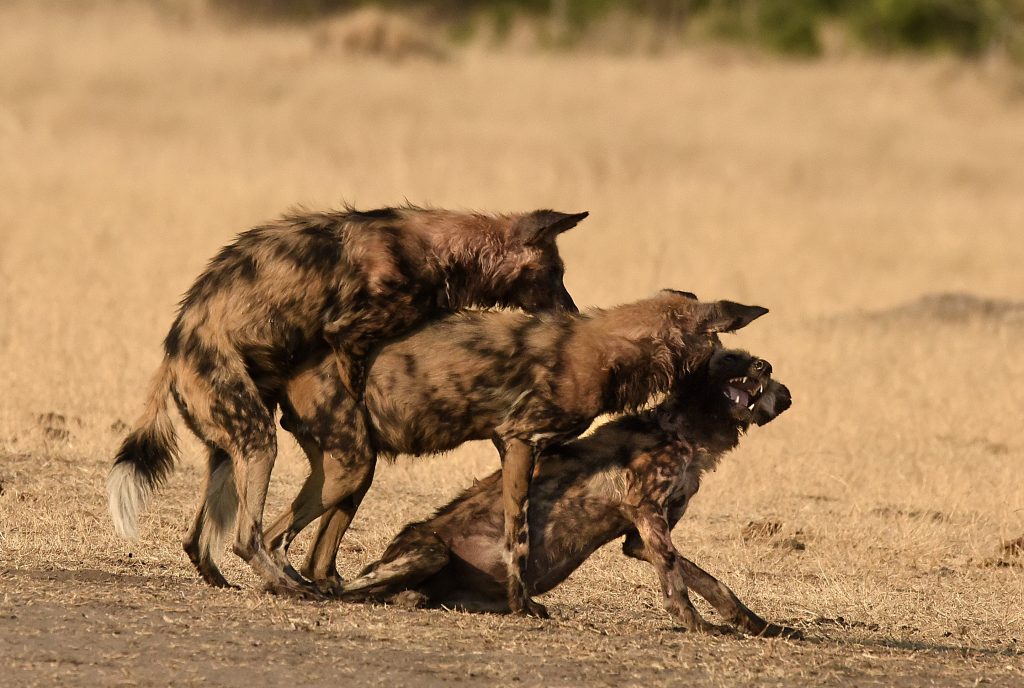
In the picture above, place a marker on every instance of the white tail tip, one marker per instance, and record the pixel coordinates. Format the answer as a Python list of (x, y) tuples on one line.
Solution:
[(127, 495)]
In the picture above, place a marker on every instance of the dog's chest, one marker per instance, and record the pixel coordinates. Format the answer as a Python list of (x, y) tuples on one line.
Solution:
[(664, 474), (676, 469)]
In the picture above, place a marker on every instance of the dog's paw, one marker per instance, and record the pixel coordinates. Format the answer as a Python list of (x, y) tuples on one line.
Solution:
[(409, 599), (332, 586), (703, 627), (528, 607), (777, 631)]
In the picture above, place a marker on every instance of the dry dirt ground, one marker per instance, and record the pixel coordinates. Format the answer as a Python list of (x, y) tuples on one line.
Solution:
[(845, 195)]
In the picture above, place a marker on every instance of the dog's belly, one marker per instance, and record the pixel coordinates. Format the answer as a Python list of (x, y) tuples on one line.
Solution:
[(556, 558), (477, 564)]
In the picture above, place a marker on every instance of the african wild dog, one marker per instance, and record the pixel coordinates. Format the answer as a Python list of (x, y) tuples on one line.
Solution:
[(524, 381), (634, 476), (344, 280)]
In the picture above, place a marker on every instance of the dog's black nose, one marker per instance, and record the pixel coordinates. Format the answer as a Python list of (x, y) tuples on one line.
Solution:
[(783, 398), (761, 366)]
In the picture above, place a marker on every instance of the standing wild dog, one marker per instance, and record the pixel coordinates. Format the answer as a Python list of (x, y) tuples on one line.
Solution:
[(524, 381), (344, 280), (634, 476)]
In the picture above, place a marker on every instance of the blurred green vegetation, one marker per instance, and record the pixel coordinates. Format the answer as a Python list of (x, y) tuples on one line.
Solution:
[(795, 27)]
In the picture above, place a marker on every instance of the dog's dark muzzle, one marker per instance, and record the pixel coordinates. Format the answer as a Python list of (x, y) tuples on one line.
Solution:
[(773, 402)]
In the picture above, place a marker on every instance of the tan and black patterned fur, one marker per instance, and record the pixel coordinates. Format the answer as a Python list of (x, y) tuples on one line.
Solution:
[(633, 477), (525, 381), (342, 280)]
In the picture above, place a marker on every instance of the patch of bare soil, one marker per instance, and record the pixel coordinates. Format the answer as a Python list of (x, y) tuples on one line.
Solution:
[(77, 626)]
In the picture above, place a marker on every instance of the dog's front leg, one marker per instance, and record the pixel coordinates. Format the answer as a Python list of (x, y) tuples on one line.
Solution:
[(517, 461), (633, 545), (652, 526), (679, 573), (726, 603)]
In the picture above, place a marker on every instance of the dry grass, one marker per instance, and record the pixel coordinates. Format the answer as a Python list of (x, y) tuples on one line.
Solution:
[(831, 192)]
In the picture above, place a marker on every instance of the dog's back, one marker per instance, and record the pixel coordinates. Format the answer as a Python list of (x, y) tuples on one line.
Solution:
[(458, 379), (442, 385), (540, 378)]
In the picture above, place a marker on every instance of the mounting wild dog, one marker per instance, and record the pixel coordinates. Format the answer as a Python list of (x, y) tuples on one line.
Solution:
[(524, 381), (634, 476), (344, 280)]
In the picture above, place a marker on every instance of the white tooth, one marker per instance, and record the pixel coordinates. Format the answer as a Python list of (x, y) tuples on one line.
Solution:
[(745, 379), (751, 407), (760, 388)]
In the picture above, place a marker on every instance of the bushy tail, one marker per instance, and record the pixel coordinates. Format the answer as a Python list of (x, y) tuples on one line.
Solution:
[(144, 460)]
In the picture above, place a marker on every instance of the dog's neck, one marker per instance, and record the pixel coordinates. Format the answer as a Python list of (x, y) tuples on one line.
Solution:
[(476, 269), (699, 414), (645, 352)]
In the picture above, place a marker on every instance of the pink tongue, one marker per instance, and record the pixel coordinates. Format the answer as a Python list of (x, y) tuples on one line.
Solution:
[(739, 396)]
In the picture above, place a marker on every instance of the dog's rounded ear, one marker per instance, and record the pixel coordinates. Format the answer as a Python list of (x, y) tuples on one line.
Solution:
[(729, 316), (544, 225)]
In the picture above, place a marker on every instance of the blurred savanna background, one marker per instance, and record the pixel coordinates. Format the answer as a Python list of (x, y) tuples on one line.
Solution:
[(856, 167)]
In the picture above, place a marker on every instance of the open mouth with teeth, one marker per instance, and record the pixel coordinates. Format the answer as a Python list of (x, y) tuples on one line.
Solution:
[(743, 391)]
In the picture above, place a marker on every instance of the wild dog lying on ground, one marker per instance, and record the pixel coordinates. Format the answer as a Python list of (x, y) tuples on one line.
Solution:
[(343, 279), (524, 381), (634, 476)]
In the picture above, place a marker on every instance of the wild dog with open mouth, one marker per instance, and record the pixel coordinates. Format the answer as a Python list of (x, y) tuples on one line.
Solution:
[(634, 476), (346, 280), (526, 382)]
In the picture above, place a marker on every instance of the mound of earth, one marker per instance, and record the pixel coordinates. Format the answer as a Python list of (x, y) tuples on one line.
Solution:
[(953, 307), (370, 31)]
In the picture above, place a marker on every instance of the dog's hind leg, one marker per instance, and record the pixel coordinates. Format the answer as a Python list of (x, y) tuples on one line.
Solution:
[(213, 519), (228, 412), (338, 491), (342, 463), (321, 565), (321, 560), (277, 538), (414, 556)]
